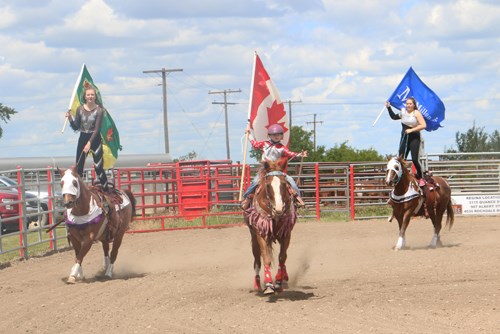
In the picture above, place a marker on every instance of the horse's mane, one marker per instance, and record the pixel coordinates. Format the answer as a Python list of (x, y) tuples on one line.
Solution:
[(269, 166)]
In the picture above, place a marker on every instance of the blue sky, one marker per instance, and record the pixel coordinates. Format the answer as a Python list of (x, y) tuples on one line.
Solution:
[(341, 59)]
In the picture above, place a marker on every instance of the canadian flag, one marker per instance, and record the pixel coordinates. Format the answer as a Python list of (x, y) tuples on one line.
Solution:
[(266, 107)]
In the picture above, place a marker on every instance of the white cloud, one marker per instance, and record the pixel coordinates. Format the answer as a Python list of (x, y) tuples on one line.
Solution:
[(323, 53)]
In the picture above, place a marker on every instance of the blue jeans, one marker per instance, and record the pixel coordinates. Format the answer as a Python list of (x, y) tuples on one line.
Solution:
[(255, 183)]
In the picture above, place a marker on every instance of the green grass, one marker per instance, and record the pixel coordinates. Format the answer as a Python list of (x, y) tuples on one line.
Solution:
[(38, 242)]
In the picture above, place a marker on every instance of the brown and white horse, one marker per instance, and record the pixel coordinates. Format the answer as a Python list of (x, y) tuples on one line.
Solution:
[(90, 217), (271, 218), (407, 200)]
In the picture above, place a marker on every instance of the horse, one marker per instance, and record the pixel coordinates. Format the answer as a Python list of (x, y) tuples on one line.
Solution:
[(91, 217), (270, 218), (408, 200)]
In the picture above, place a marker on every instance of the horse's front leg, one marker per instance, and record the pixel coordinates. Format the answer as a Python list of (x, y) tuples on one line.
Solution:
[(257, 261), (403, 225), (282, 275), (76, 270), (265, 249)]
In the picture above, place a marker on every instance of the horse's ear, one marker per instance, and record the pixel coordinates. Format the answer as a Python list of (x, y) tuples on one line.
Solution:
[(73, 169)]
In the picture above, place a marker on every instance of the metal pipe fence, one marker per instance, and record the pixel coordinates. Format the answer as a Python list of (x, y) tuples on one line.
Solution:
[(205, 194)]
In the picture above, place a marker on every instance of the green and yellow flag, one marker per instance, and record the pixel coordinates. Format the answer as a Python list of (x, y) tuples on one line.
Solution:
[(109, 133)]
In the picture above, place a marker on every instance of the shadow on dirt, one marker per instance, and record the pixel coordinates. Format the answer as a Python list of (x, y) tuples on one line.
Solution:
[(290, 295), (432, 248), (102, 278)]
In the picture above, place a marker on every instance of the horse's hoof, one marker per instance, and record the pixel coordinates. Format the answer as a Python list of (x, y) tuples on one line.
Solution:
[(71, 280), (278, 287), (269, 290)]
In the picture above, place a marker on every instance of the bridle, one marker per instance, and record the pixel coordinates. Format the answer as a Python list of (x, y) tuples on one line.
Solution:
[(395, 166), (269, 205), (70, 186)]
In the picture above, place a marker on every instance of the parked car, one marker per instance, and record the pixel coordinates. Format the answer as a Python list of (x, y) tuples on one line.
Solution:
[(37, 200), (9, 209)]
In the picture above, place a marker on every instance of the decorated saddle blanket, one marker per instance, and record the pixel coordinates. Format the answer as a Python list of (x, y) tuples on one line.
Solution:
[(95, 214), (410, 194)]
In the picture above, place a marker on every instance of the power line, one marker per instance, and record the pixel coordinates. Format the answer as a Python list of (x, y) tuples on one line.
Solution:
[(314, 129), (225, 103), (164, 73)]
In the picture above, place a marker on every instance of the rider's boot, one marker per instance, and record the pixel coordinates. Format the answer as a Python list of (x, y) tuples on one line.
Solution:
[(299, 202), (245, 203)]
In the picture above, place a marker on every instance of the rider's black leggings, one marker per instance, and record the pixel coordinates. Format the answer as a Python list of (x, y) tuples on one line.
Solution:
[(96, 148), (411, 143)]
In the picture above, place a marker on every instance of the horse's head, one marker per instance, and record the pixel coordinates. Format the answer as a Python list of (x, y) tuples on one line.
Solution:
[(394, 171), (70, 187), (275, 187)]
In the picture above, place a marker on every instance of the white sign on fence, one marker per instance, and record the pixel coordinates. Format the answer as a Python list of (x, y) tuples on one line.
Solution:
[(478, 204)]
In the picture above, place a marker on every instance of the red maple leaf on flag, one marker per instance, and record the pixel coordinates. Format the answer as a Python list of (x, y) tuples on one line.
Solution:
[(275, 114), (266, 107)]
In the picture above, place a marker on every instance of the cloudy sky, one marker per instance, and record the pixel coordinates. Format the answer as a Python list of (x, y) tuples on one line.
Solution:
[(338, 61)]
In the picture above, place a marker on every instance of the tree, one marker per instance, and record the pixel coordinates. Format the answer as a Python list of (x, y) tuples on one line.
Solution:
[(343, 153), (5, 113), (495, 141), (300, 140), (474, 140)]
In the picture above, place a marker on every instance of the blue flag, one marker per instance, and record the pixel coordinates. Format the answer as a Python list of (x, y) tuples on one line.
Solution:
[(428, 103)]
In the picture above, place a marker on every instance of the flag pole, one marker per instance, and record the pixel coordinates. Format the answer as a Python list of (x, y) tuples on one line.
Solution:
[(75, 89), (380, 114), (247, 131)]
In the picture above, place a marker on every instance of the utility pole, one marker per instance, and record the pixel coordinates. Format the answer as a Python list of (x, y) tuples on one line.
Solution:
[(225, 103), (290, 112), (164, 73), (314, 122)]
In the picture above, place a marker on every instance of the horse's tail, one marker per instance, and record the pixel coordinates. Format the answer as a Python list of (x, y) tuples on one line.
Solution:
[(132, 200), (450, 215)]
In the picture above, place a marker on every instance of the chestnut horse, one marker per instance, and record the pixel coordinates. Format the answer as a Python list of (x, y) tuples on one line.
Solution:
[(270, 218), (90, 217), (408, 200)]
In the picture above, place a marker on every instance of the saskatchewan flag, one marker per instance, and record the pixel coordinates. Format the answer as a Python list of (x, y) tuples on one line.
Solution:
[(109, 133)]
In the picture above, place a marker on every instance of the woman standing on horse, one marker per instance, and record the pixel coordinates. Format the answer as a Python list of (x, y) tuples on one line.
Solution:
[(88, 121), (273, 150), (412, 123)]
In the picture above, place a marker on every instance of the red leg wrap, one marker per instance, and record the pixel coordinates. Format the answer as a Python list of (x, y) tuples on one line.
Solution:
[(267, 275), (282, 275), (256, 283)]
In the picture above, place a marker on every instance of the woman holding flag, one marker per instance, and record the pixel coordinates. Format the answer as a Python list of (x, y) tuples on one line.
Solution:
[(88, 121), (412, 123)]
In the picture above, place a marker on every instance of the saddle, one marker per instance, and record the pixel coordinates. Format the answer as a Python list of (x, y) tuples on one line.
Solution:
[(109, 200), (427, 190)]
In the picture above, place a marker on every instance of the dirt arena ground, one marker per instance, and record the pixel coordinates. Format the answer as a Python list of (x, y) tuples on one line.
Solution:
[(345, 278)]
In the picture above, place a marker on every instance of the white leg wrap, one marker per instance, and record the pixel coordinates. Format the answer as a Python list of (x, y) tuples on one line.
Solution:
[(401, 243), (257, 270), (434, 240), (106, 263), (76, 270), (109, 271)]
